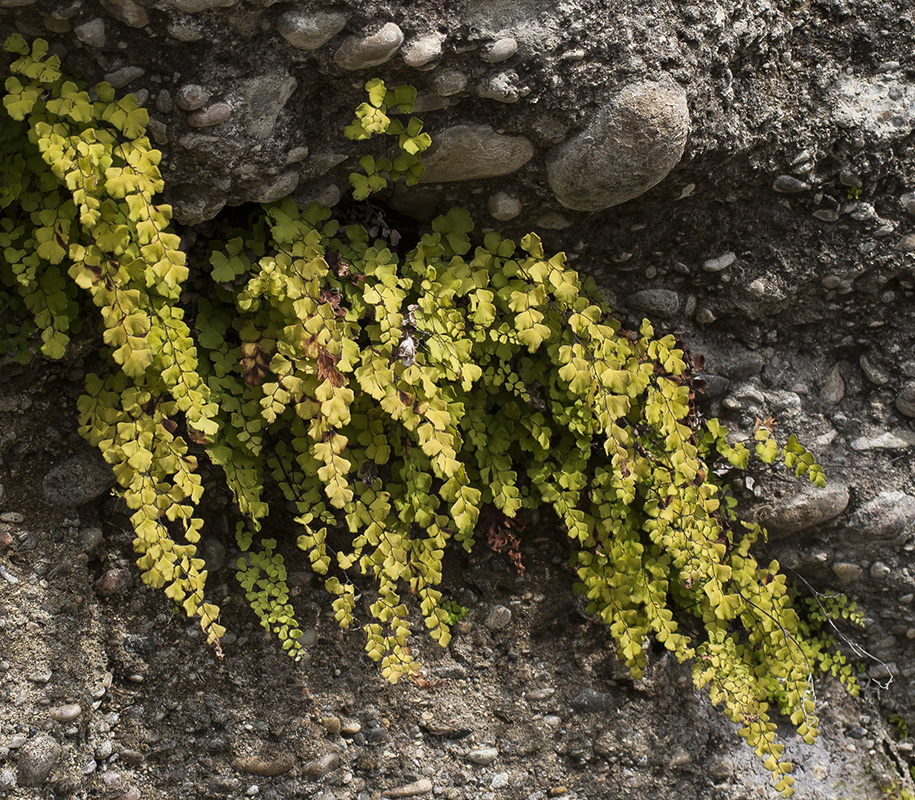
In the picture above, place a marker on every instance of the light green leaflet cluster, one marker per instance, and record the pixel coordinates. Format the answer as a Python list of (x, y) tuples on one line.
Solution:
[(388, 399)]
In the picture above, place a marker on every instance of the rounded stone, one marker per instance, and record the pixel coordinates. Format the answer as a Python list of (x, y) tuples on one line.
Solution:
[(663, 302), (847, 572), (362, 52), (631, 145), (905, 399), (309, 31), (78, 480), (196, 6), (37, 758), (278, 764), (483, 756), (501, 50), (888, 515), (908, 202), (191, 96), (66, 713), (91, 33), (811, 506), (503, 206), (322, 766), (498, 617), (449, 82), (214, 115), (423, 51), (786, 184), (471, 152), (129, 12), (720, 263)]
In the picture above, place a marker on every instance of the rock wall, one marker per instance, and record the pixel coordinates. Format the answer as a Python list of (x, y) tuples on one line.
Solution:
[(740, 170)]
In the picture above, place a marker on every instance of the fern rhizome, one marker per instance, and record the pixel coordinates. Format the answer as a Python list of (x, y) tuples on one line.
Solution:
[(391, 399)]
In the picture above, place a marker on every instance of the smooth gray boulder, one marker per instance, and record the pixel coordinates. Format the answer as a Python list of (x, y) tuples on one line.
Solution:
[(470, 152), (631, 145)]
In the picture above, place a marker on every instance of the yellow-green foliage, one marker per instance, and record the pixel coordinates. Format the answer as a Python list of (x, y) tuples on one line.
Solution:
[(389, 399)]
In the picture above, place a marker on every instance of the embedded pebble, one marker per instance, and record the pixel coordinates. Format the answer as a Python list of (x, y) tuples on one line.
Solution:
[(191, 96), (705, 316), (847, 572), (104, 750), (309, 30), (214, 115), (879, 571), (498, 617), (833, 389), (332, 725), (886, 516), (470, 152), (296, 155), (322, 766), (905, 399), (78, 480), (503, 206), (370, 51), (908, 202), (350, 727), (590, 701), (91, 33), (499, 780), (89, 539), (483, 756), (449, 82), (502, 87), (264, 767), (422, 786), (7, 780), (826, 215), (113, 581), (541, 694), (8, 576), (186, 30), (132, 756), (422, 51), (196, 6), (907, 243), (121, 77), (66, 713), (663, 302), (500, 50), (5, 539), (112, 780), (809, 507), (129, 12), (37, 759), (720, 263), (889, 440), (133, 793), (12, 517), (787, 184), (873, 372), (630, 145)]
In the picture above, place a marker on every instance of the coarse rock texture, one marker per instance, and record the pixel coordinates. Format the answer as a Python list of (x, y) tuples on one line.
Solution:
[(630, 146), (741, 172)]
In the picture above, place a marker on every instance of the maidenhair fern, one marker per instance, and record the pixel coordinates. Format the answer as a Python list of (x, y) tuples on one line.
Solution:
[(390, 399)]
